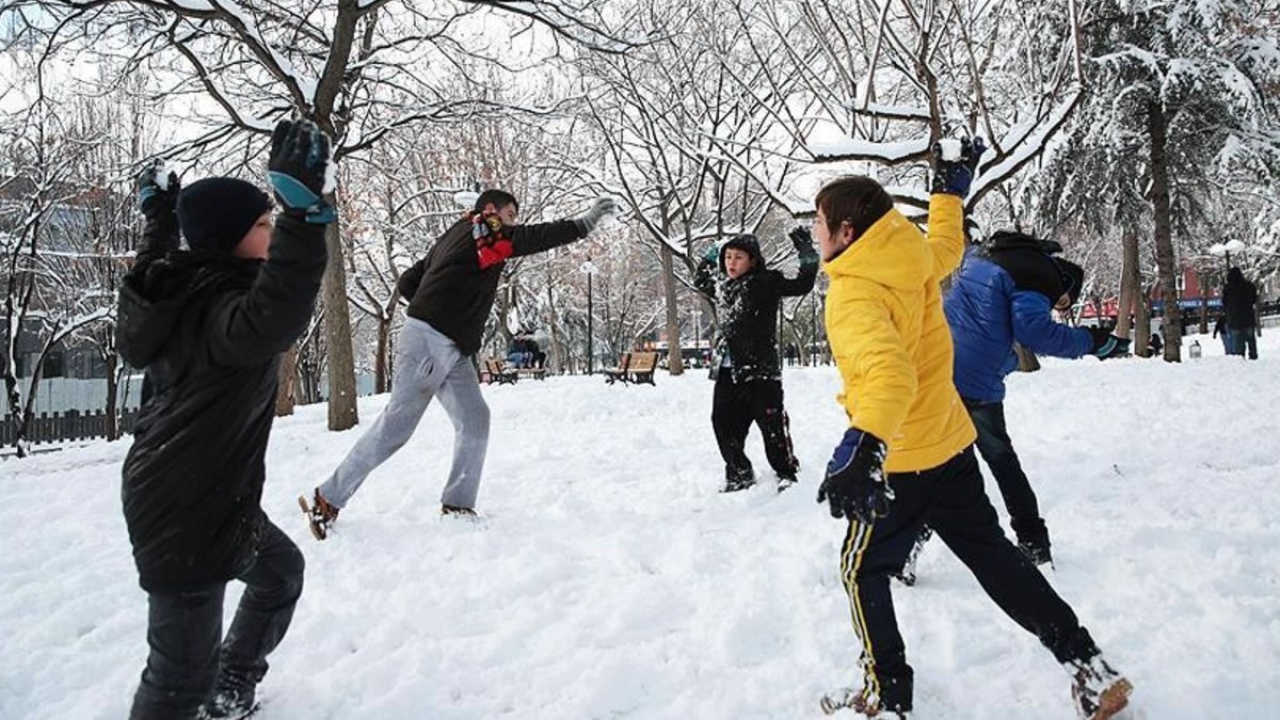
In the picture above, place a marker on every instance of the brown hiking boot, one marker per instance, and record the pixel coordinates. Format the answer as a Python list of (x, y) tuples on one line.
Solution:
[(321, 515), (1099, 691)]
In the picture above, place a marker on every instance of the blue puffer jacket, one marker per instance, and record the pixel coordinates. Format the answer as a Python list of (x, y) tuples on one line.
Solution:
[(987, 311)]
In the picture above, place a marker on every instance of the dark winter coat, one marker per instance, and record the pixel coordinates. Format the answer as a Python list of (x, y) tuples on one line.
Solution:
[(209, 331), (747, 309), (453, 287), (1239, 298), (997, 298)]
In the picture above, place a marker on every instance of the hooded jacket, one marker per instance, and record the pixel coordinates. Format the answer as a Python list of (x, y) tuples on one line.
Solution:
[(890, 338), (747, 308), (452, 289), (1000, 296), (208, 330), (1239, 296)]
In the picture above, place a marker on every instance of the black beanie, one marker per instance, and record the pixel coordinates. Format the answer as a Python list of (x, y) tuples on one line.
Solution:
[(216, 213)]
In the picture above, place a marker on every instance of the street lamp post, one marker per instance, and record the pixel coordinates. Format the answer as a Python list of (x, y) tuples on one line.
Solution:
[(1224, 250), (590, 270)]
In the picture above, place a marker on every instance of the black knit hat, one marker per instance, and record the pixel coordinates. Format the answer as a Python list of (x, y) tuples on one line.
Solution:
[(216, 213)]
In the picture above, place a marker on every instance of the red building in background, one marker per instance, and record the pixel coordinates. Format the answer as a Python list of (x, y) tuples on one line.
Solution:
[(1192, 292)]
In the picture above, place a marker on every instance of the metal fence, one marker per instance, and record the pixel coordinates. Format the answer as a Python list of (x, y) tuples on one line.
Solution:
[(64, 426)]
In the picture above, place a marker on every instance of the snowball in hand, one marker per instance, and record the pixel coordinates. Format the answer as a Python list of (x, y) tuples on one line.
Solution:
[(950, 150)]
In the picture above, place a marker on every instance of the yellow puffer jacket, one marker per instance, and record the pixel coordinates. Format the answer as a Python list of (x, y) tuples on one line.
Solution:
[(890, 338)]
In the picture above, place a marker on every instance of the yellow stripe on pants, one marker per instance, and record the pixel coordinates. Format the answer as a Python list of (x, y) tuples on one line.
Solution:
[(855, 543)]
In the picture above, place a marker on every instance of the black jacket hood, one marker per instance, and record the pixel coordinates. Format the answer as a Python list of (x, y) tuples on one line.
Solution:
[(151, 301), (748, 244)]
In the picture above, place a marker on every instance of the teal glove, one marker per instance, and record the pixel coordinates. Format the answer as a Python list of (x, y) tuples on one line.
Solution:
[(712, 255), (298, 167)]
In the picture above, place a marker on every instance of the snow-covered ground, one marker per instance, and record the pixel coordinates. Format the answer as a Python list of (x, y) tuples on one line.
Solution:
[(611, 580)]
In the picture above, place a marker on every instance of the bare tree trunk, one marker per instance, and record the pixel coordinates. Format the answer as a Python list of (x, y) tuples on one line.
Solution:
[(380, 360), (675, 348), (337, 330), (1142, 323), (113, 397), (1166, 259), (1129, 285), (286, 385)]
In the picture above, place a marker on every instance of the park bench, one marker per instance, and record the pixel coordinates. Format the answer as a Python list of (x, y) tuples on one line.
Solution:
[(634, 367), (537, 373), (496, 370)]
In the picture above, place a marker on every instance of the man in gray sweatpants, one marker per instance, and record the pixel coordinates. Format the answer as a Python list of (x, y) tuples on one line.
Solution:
[(450, 293)]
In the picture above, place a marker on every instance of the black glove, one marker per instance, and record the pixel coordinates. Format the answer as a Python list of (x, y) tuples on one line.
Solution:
[(953, 176), (158, 193), (587, 222), (299, 168), (1106, 345), (855, 484), (801, 238)]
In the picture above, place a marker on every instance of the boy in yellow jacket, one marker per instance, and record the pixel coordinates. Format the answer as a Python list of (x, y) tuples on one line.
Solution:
[(910, 440)]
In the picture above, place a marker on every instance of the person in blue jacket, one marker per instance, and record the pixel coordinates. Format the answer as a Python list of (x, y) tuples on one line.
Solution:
[(1004, 293)]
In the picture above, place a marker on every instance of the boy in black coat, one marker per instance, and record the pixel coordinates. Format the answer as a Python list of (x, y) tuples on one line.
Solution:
[(207, 325), (748, 374)]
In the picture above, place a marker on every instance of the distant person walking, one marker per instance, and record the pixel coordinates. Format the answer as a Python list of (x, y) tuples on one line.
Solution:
[(1240, 300)]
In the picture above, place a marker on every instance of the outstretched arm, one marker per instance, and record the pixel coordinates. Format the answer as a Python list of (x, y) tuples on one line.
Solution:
[(530, 239), (1035, 329)]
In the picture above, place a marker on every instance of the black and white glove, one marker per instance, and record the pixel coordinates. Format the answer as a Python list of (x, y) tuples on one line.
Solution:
[(855, 485), (1106, 345), (301, 171), (158, 190), (954, 165), (587, 221)]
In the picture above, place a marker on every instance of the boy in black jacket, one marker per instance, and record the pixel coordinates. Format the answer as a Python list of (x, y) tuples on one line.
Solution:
[(450, 294), (747, 371), (208, 325)]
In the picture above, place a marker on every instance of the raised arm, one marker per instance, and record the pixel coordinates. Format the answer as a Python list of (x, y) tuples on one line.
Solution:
[(802, 283), (158, 190), (265, 321), (954, 164), (704, 277)]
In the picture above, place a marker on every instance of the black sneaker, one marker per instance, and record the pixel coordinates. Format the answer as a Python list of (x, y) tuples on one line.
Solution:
[(1098, 690), (786, 481), (229, 703), (457, 511), (1038, 553), (736, 479), (861, 702)]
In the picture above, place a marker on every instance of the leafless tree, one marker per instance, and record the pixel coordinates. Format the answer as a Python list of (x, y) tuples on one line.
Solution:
[(361, 70)]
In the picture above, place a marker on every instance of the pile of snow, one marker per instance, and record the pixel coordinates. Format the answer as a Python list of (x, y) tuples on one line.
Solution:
[(612, 580)]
